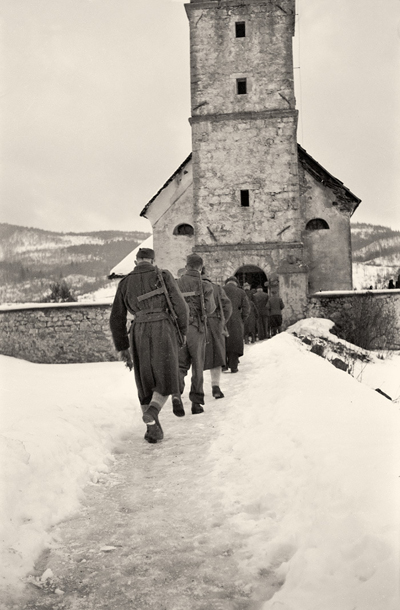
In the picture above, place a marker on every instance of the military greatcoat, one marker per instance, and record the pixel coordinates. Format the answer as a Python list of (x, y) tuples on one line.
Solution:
[(153, 335), (240, 311), (215, 343)]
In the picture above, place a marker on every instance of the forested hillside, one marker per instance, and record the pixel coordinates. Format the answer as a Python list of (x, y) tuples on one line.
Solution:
[(376, 255), (31, 260)]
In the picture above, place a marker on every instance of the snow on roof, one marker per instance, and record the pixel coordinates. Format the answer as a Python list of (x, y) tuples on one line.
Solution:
[(128, 263)]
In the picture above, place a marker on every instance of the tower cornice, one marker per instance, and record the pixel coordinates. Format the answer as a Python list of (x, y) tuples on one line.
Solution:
[(277, 113)]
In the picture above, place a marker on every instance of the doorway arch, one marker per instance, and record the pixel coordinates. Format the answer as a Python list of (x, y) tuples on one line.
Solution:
[(253, 275)]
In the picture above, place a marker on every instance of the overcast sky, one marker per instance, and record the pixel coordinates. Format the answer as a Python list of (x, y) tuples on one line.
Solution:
[(95, 100)]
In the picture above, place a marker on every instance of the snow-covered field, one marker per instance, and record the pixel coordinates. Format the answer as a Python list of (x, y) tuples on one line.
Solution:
[(306, 459)]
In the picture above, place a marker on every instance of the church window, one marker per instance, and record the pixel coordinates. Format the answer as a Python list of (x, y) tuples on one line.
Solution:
[(244, 198), (316, 224), (183, 229), (240, 28), (241, 86)]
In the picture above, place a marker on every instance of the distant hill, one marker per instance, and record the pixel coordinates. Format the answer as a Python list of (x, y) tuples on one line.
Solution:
[(376, 255), (32, 259)]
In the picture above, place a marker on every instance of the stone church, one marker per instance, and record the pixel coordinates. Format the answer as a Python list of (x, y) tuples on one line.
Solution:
[(249, 199)]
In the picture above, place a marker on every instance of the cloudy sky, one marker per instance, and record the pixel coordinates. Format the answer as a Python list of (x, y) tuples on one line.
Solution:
[(95, 103)]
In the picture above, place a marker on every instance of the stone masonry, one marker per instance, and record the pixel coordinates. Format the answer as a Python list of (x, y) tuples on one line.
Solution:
[(57, 333)]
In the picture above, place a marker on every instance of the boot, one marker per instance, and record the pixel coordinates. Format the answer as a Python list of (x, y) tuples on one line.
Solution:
[(154, 431), (177, 406), (216, 392), (196, 408)]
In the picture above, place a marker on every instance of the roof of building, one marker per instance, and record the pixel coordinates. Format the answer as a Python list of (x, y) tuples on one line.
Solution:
[(307, 161)]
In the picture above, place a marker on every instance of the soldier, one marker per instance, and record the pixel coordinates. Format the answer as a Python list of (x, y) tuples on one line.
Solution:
[(240, 311), (216, 332), (200, 297), (260, 299), (160, 320), (250, 324), (275, 306)]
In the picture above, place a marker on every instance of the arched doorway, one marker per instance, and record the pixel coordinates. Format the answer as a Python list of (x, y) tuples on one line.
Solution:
[(253, 275)]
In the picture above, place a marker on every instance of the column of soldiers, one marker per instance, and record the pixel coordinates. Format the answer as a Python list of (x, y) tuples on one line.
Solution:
[(177, 325)]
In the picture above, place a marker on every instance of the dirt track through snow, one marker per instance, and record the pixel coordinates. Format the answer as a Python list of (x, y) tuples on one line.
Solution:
[(167, 545)]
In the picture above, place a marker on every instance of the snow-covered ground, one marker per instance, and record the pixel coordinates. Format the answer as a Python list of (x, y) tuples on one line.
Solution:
[(306, 459)]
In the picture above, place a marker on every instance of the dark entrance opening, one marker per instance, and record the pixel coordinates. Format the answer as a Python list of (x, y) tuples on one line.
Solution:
[(253, 275)]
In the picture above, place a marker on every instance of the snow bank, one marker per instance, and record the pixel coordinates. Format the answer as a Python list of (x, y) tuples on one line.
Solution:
[(59, 424), (304, 457), (308, 464)]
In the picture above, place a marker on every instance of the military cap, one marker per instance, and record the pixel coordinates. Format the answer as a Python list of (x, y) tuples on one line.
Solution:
[(145, 253), (194, 260), (232, 279)]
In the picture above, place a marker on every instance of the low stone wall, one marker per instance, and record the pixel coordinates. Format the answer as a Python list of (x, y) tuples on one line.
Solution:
[(79, 332), (57, 332), (333, 304)]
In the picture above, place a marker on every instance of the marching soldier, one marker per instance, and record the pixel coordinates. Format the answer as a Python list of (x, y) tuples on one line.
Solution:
[(216, 333), (159, 325), (240, 311), (199, 296)]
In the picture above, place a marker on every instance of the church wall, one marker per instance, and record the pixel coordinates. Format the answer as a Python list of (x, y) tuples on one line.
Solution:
[(171, 250), (263, 56), (327, 251), (258, 155), (221, 262)]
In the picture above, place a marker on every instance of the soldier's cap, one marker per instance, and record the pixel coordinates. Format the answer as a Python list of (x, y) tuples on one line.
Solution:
[(232, 279), (145, 253), (194, 260)]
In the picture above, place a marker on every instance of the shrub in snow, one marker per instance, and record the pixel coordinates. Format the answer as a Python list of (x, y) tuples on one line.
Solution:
[(60, 293), (369, 323)]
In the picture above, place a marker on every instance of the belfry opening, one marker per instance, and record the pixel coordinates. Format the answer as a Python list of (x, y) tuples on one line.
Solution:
[(251, 274)]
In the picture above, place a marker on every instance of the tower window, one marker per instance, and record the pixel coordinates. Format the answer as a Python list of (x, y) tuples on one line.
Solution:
[(183, 229), (240, 28), (244, 199), (316, 224), (241, 84)]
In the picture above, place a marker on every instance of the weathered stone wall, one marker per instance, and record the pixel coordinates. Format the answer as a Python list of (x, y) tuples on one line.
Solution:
[(243, 142), (282, 259), (263, 56), (57, 333), (327, 251), (258, 155), (171, 250), (331, 305)]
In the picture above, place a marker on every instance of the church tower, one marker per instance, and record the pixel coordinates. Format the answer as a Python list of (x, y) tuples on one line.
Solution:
[(244, 121), (249, 199)]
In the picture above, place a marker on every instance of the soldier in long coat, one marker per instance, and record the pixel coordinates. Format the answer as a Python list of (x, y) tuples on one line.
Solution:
[(216, 333), (153, 336), (250, 324), (199, 296), (240, 311), (260, 299)]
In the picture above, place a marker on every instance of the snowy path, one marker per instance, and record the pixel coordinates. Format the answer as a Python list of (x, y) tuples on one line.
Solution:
[(283, 495), (172, 552)]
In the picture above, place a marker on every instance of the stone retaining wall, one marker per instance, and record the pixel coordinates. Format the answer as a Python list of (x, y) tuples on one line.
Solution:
[(57, 333), (79, 332), (332, 305)]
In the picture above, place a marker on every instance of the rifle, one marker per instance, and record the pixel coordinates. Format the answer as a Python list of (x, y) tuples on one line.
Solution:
[(225, 331), (171, 309), (203, 313)]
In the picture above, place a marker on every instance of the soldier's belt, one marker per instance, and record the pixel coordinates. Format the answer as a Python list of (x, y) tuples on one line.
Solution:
[(151, 315), (147, 295), (191, 294)]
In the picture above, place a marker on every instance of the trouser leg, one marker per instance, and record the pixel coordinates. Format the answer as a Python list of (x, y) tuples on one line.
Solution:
[(196, 342), (215, 375), (184, 364)]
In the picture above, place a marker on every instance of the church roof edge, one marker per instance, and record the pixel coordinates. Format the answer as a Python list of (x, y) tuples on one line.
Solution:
[(305, 158), (148, 204)]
